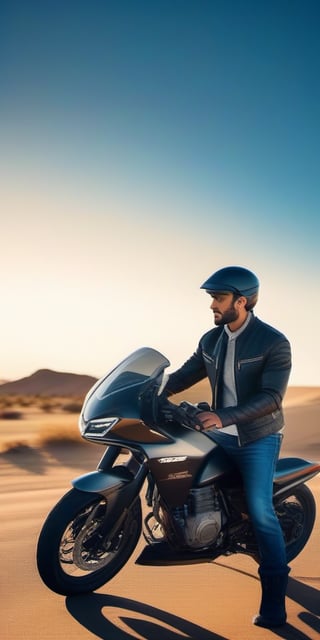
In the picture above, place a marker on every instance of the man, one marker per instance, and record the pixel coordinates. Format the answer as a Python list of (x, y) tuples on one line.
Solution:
[(248, 364)]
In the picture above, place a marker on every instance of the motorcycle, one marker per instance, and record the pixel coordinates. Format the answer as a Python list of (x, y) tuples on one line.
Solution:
[(195, 509)]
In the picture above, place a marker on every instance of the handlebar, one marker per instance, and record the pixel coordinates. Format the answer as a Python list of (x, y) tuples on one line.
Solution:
[(185, 413)]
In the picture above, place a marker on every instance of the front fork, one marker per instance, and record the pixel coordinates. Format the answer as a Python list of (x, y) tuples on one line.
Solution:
[(120, 484), (109, 457)]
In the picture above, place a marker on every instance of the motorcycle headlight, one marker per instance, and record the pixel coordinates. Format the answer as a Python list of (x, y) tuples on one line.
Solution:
[(98, 428)]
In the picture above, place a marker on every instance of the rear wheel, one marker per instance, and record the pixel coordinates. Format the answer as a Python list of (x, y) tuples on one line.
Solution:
[(296, 513), (74, 555)]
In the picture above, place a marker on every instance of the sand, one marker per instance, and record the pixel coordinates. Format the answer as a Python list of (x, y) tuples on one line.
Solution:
[(201, 602)]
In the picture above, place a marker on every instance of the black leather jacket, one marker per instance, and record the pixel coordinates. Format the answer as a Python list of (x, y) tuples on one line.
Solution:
[(262, 368)]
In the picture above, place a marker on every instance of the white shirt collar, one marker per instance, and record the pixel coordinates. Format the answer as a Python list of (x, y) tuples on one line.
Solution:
[(232, 335)]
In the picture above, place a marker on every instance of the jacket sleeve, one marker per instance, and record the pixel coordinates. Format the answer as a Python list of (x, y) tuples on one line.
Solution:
[(268, 398), (191, 372)]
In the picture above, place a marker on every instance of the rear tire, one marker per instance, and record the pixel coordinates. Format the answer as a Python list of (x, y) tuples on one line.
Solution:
[(296, 512), (73, 555)]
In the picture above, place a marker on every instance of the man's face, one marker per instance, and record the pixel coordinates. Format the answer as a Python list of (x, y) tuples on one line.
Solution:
[(224, 308)]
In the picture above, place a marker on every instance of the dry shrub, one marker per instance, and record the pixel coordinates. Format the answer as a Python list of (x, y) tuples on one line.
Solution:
[(56, 436), (6, 401), (72, 407), (24, 401), (47, 406), (11, 414)]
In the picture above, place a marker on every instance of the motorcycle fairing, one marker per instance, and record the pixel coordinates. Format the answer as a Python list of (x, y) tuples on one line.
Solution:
[(118, 392), (191, 456)]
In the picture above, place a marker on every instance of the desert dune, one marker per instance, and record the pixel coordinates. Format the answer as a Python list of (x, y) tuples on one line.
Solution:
[(201, 602)]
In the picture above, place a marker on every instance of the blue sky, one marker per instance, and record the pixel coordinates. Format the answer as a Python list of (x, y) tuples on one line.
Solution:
[(144, 145)]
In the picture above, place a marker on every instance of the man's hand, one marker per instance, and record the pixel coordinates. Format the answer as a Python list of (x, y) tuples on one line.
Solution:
[(209, 420)]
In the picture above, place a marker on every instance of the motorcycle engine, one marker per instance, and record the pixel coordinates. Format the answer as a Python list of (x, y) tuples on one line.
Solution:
[(200, 520)]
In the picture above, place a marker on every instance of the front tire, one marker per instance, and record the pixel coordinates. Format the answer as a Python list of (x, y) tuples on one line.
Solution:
[(73, 554)]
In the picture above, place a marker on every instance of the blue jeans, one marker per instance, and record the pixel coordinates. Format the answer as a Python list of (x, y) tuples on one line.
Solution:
[(256, 462)]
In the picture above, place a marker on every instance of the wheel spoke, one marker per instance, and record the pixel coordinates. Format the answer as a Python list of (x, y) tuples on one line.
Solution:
[(82, 548)]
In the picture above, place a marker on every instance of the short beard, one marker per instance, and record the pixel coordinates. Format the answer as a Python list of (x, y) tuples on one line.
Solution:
[(230, 315)]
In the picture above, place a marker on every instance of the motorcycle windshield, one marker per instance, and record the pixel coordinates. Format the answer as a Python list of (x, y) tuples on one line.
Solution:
[(117, 393)]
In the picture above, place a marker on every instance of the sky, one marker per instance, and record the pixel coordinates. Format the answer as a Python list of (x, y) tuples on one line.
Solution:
[(144, 145)]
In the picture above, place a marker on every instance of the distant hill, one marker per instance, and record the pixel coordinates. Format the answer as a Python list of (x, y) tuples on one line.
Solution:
[(49, 383)]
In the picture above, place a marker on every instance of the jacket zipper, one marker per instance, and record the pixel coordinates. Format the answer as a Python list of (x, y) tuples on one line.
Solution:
[(246, 360)]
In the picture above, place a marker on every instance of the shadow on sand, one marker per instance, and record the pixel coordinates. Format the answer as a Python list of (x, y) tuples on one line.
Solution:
[(37, 459), (132, 616), (25, 457), (115, 618), (74, 455), (308, 598)]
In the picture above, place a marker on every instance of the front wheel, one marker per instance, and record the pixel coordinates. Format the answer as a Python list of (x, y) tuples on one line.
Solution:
[(74, 555)]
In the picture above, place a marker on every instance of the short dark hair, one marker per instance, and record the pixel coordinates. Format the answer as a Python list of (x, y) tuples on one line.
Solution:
[(251, 300)]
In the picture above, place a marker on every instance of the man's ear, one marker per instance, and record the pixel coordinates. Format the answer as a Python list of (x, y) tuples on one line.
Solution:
[(242, 301)]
